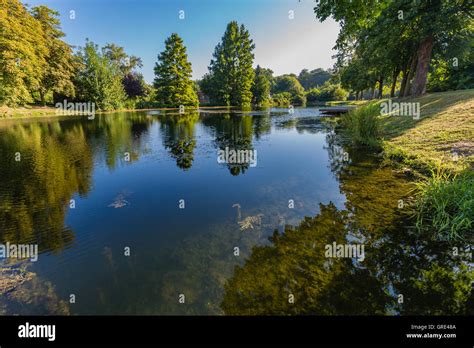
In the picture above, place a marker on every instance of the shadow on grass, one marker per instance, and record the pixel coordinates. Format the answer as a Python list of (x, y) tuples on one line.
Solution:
[(430, 105)]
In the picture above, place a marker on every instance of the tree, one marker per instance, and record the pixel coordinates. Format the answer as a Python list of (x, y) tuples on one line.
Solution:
[(327, 92), (313, 78), (99, 79), (261, 88), (412, 31), (23, 53), (290, 84), (132, 81), (61, 66), (282, 99), (118, 55), (173, 83), (231, 67)]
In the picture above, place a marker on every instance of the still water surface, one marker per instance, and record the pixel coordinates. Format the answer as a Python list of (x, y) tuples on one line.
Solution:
[(132, 210)]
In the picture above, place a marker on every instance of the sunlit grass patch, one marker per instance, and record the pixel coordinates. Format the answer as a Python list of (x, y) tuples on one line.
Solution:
[(444, 132)]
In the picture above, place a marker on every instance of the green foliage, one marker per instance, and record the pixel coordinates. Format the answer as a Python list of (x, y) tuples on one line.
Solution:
[(173, 83), (453, 68), (282, 99), (118, 55), (291, 85), (61, 65), (445, 206), (313, 95), (328, 92), (314, 78), (37, 65), (362, 125), (23, 53), (261, 88), (132, 81), (99, 79), (231, 74), (381, 39)]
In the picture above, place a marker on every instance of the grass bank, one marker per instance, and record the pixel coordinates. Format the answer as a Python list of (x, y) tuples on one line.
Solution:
[(347, 102), (438, 145), (27, 112), (443, 136)]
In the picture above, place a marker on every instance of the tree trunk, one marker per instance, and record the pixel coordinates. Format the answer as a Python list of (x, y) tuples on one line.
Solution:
[(372, 91), (424, 57), (404, 82), (411, 73), (41, 93), (396, 72), (380, 87)]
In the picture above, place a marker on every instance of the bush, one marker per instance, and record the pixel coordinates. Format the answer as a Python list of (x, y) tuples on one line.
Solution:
[(331, 92), (445, 206), (290, 84), (328, 92), (313, 95), (362, 126), (282, 99)]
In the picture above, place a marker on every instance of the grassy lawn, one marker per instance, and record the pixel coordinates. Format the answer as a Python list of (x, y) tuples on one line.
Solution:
[(23, 112), (443, 136), (439, 145), (347, 102)]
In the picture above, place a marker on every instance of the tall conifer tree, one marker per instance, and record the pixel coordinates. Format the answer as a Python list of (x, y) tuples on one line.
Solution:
[(231, 68), (173, 71)]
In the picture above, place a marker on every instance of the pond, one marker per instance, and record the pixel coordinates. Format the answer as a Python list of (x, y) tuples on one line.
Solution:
[(137, 213)]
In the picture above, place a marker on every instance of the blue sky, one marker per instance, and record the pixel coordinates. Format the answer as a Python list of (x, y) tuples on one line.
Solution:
[(141, 26)]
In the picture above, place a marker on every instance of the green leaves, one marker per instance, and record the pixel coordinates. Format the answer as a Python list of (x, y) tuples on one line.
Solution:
[(61, 66), (261, 88), (99, 79), (291, 85), (231, 71), (378, 39), (23, 54), (173, 76)]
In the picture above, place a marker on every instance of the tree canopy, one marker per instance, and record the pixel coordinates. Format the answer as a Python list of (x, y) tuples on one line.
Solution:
[(173, 75), (381, 39), (261, 88), (230, 72), (99, 79)]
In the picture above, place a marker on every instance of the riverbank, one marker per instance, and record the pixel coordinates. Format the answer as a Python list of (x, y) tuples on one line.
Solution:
[(442, 137), (7, 113), (435, 142)]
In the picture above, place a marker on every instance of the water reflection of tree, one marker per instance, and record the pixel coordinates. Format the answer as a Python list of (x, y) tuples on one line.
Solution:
[(262, 125), (397, 261), (120, 133), (295, 264), (179, 138), (56, 162), (234, 132)]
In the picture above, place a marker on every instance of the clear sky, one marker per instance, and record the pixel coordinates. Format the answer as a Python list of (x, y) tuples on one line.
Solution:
[(282, 44)]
